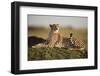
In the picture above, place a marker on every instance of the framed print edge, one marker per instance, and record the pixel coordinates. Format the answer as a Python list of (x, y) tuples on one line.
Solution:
[(96, 37), (15, 37)]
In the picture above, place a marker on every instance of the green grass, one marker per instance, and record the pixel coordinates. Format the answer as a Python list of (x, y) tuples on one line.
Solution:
[(55, 53)]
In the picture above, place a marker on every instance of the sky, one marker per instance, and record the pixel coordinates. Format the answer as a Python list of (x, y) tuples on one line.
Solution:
[(64, 21)]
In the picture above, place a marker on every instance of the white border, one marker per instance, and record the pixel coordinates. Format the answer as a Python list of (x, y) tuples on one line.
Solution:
[(26, 65)]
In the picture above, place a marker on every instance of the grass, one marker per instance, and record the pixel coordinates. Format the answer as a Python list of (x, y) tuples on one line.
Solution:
[(57, 53)]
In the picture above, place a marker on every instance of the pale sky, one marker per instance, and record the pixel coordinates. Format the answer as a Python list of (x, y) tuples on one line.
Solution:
[(45, 20)]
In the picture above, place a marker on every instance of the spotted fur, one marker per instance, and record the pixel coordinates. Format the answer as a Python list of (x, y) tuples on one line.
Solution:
[(72, 42)]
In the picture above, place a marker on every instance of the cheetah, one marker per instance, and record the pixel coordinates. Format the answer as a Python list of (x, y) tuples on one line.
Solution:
[(54, 37), (74, 43)]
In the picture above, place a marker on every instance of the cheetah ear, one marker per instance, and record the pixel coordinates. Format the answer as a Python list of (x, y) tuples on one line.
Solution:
[(50, 25), (71, 34), (57, 24)]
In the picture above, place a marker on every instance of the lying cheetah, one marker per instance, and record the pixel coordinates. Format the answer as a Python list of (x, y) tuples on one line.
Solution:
[(73, 43)]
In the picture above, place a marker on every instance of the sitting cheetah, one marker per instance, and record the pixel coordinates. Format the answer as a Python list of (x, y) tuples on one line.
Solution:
[(54, 38)]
